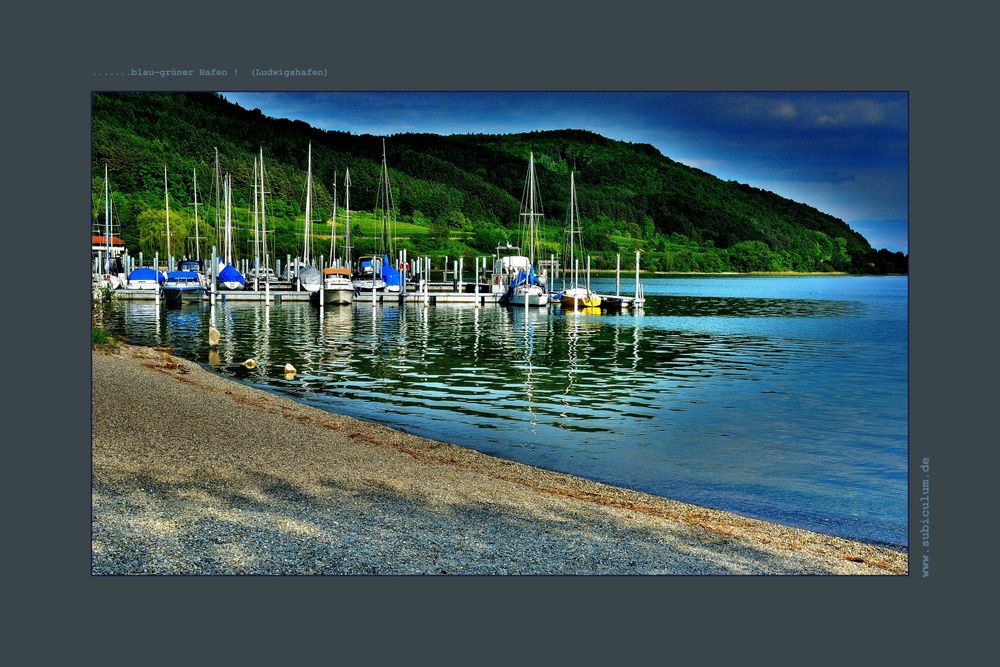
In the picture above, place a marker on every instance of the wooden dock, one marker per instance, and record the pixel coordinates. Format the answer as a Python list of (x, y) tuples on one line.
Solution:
[(431, 297)]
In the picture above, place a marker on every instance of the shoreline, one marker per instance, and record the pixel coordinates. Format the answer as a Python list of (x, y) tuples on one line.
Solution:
[(194, 473)]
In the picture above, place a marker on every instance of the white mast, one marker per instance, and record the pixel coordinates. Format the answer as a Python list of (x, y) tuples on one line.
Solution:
[(197, 240), (572, 239), (387, 245), (263, 216), (531, 208), (228, 240), (305, 241), (166, 198), (256, 219), (333, 233), (218, 206), (107, 223), (347, 215)]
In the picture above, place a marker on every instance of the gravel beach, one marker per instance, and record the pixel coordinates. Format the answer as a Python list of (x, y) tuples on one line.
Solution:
[(197, 474)]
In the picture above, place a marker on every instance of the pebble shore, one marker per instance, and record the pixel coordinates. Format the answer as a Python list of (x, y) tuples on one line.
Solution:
[(194, 473)]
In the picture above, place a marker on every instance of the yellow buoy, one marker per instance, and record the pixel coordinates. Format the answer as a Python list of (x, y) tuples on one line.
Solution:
[(290, 369), (250, 363)]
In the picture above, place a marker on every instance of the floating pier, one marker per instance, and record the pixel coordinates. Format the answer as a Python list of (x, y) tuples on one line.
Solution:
[(414, 289)]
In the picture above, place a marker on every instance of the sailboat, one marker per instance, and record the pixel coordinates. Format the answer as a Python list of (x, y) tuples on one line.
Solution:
[(378, 272), (113, 274), (180, 286), (262, 272), (229, 277), (145, 278), (576, 295), (309, 276), (527, 287), (337, 286)]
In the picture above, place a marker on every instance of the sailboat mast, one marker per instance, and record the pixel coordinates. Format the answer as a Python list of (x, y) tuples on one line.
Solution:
[(218, 207), (256, 220), (305, 240), (107, 223), (228, 239), (531, 208), (387, 244), (572, 239), (166, 199), (333, 234), (263, 214), (347, 215), (197, 239)]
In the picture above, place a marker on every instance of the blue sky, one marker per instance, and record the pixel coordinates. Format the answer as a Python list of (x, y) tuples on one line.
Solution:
[(843, 153)]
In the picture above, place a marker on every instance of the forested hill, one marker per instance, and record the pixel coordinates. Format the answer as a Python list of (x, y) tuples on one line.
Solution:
[(455, 195)]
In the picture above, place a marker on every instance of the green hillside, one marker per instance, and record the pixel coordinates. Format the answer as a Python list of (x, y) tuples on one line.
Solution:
[(455, 195)]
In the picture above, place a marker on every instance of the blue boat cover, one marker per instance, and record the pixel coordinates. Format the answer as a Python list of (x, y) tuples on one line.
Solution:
[(175, 275), (531, 278), (230, 275), (521, 278), (390, 274), (145, 273)]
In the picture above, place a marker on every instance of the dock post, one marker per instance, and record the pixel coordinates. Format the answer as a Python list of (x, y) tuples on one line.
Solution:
[(402, 280), (156, 269), (375, 272), (576, 285), (636, 297), (618, 274), (256, 274), (322, 280), (461, 272), (476, 286), (444, 271), (454, 276), (212, 274), (588, 273), (427, 279)]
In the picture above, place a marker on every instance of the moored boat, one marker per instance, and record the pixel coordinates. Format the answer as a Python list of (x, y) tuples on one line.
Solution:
[(144, 278), (577, 295), (528, 288), (183, 286), (308, 276), (229, 277), (366, 278), (337, 287)]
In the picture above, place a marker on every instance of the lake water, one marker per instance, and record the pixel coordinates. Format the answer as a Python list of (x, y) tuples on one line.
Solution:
[(782, 398)]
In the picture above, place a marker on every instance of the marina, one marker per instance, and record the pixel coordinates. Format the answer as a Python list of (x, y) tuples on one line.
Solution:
[(581, 309)]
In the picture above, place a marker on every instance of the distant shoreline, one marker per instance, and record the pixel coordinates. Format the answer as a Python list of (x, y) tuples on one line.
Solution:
[(624, 273), (194, 473)]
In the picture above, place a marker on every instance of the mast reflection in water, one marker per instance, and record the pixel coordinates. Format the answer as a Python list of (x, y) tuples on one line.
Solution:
[(779, 398)]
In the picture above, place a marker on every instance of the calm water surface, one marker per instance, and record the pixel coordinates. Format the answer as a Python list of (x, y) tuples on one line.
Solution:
[(783, 398)]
